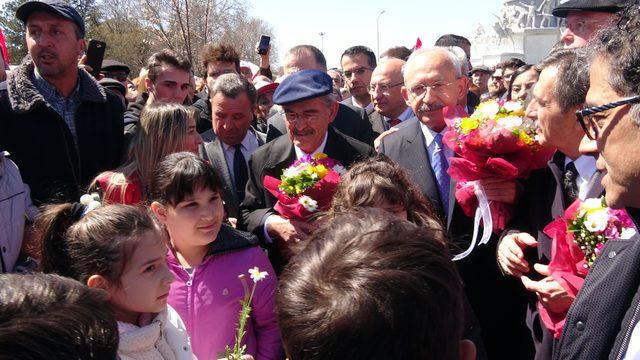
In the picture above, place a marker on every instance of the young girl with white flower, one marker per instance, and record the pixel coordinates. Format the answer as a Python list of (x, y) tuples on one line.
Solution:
[(207, 256), (121, 250)]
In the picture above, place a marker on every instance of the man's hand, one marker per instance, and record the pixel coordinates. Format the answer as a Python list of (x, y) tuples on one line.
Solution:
[(550, 293), (264, 58), (511, 254), (378, 140), (82, 65), (289, 230), (505, 191)]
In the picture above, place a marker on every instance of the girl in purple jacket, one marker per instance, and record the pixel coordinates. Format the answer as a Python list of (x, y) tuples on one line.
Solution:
[(206, 257)]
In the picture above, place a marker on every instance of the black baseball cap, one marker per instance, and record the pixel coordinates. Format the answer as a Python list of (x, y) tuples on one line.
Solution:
[(56, 7), (608, 6)]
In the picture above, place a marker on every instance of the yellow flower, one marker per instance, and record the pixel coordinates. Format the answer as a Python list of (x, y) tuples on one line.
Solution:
[(469, 124), (320, 156), (321, 170), (525, 138)]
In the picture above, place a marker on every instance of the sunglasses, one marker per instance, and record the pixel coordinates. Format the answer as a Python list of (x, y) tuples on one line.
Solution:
[(589, 125)]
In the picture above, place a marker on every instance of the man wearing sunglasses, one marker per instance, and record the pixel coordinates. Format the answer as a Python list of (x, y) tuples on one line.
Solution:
[(603, 320), (584, 18)]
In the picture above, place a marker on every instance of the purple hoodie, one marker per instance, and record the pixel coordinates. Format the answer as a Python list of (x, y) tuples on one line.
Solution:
[(208, 300)]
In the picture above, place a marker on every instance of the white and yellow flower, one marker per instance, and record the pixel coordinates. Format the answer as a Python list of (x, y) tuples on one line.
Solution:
[(513, 106), (510, 122), (256, 274), (308, 203), (597, 220)]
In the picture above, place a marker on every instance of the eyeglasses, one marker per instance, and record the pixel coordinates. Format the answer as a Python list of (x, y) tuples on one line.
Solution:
[(296, 118), (383, 88), (421, 89), (589, 125), (579, 26), (358, 71)]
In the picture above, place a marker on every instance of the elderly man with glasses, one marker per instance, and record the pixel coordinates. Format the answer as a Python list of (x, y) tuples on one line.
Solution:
[(390, 109), (583, 18), (603, 320)]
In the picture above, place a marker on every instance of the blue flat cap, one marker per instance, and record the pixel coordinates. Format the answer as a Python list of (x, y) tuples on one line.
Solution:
[(56, 7), (303, 85)]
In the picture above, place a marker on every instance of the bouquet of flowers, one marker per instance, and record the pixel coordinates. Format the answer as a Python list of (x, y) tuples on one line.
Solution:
[(497, 141), (305, 187), (578, 238)]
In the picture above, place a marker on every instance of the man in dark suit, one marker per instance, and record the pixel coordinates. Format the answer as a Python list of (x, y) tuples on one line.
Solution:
[(603, 319), (358, 63), (231, 141), (349, 120), (434, 79), (309, 108), (559, 92), (390, 109)]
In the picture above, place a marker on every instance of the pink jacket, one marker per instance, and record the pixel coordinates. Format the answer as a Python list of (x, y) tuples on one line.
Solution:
[(208, 300)]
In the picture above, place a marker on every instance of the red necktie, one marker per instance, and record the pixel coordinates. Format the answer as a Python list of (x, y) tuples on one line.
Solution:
[(394, 122)]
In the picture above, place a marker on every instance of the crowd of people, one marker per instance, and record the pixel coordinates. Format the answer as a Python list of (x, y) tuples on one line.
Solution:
[(133, 210)]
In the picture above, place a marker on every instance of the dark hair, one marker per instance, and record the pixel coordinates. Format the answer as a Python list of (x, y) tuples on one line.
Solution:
[(618, 46), (572, 81), (378, 179), (521, 70), (371, 286), (452, 40), (310, 49), (219, 52), (232, 85), (180, 175), (359, 49), (99, 243), (166, 57), (511, 64), (52, 317), (398, 52)]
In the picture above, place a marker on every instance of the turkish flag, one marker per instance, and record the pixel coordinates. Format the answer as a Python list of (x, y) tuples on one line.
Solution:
[(3, 48), (418, 44)]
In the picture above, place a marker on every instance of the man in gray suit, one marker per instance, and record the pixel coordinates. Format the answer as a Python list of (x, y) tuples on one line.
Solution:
[(231, 141)]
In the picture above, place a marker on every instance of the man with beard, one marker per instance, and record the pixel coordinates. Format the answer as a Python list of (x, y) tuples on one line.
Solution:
[(59, 125), (309, 108)]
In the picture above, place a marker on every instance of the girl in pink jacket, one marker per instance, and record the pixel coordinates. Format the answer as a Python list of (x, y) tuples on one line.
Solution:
[(206, 257)]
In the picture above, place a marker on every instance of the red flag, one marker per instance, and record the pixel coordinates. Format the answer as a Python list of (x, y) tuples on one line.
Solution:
[(3, 49), (418, 44)]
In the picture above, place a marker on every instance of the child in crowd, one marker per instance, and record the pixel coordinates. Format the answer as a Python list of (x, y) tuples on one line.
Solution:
[(121, 250), (372, 286), (47, 316), (164, 129), (206, 257)]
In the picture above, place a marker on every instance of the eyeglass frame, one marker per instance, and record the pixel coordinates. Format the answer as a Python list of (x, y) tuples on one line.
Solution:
[(590, 111), (415, 96), (584, 22), (384, 88)]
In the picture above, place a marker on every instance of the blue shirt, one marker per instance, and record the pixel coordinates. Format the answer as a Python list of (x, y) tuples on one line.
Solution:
[(65, 107)]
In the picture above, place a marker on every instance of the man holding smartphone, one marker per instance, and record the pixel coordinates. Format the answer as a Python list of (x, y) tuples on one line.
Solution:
[(60, 126)]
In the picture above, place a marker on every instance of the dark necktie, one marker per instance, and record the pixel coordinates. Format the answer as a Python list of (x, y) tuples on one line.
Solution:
[(569, 183), (240, 172), (440, 167), (393, 122)]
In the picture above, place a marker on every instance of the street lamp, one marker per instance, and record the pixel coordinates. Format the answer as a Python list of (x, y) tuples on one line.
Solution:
[(321, 41), (378, 32)]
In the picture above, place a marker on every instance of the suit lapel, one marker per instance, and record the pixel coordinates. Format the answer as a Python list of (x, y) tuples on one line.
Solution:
[(415, 146), (377, 122), (215, 153), (556, 164), (595, 188), (281, 157)]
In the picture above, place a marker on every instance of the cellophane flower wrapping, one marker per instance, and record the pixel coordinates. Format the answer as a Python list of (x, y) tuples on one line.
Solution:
[(305, 187), (578, 237), (496, 141)]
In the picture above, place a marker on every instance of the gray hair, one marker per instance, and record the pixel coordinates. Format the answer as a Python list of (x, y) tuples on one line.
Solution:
[(617, 45), (453, 59), (232, 85), (572, 81)]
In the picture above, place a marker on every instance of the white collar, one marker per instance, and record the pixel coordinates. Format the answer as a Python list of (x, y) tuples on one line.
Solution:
[(246, 143), (585, 164), (300, 153), (406, 114), (429, 135), (355, 103)]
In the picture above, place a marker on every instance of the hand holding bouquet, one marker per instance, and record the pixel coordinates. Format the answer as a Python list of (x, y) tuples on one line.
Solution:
[(305, 187)]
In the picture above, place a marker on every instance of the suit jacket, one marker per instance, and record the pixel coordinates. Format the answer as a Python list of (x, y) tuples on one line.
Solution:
[(349, 121), (213, 151), (484, 285), (271, 159), (378, 124), (600, 321)]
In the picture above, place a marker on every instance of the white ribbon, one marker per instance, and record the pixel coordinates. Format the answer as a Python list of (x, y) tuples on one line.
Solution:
[(483, 213)]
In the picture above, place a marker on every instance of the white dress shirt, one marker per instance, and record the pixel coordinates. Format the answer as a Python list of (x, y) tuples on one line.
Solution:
[(248, 145), (586, 166), (355, 103)]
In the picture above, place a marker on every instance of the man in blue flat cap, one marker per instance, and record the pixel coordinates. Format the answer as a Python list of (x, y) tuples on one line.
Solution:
[(309, 108), (59, 125)]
